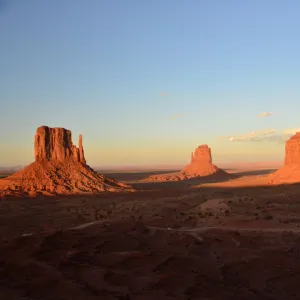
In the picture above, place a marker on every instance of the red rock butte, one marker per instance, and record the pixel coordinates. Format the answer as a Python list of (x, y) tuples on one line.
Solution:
[(56, 144), (59, 169), (290, 172), (201, 166)]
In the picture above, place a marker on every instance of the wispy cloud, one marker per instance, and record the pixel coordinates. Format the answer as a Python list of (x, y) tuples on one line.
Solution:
[(271, 135), (176, 116), (264, 114)]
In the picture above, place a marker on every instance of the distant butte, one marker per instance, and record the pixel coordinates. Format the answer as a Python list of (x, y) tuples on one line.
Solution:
[(59, 169), (201, 166), (290, 172)]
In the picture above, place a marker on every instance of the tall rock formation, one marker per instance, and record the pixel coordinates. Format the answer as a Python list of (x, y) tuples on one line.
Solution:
[(200, 166), (81, 152), (55, 144), (292, 150), (59, 168), (290, 172)]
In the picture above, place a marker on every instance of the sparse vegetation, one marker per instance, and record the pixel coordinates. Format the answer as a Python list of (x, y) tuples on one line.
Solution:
[(163, 209)]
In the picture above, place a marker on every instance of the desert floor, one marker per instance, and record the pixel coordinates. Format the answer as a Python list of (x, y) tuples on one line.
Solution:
[(238, 239)]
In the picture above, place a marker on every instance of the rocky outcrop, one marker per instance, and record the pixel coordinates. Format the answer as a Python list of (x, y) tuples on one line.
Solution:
[(55, 144), (59, 169), (200, 166), (292, 150), (290, 172), (202, 154), (81, 152), (201, 163)]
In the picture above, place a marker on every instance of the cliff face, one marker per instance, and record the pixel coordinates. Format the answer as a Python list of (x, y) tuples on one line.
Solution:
[(201, 156), (290, 172), (55, 144), (292, 150)]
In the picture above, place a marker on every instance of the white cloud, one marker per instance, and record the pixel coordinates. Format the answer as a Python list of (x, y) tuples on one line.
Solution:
[(264, 114), (271, 135), (176, 116)]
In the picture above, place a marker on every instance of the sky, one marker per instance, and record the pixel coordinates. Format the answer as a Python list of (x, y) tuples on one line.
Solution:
[(146, 82)]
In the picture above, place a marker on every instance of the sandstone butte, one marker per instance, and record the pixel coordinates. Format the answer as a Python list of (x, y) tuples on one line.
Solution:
[(201, 166), (59, 169), (290, 172)]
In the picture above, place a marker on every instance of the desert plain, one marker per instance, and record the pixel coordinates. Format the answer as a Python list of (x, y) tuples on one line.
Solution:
[(159, 235)]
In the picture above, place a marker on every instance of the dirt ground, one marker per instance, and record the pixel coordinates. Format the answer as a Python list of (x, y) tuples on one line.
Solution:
[(237, 239)]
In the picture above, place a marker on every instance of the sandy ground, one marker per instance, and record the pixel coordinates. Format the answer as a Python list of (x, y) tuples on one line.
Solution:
[(237, 239)]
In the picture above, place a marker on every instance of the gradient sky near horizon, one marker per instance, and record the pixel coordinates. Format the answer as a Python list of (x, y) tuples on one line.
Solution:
[(146, 82)]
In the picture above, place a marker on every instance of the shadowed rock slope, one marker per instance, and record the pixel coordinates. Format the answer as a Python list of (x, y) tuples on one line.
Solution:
[(59, 169)]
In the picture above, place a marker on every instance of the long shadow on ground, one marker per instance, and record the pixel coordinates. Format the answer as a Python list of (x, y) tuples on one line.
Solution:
[(253, 173), (133, 177)]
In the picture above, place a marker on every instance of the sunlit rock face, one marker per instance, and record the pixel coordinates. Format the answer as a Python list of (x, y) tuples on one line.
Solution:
[(200, 166), (292, 150), (290, 172), (55, 144), (59, 169)]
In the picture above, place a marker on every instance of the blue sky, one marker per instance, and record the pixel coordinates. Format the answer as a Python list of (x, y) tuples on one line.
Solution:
[(146, 82)]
